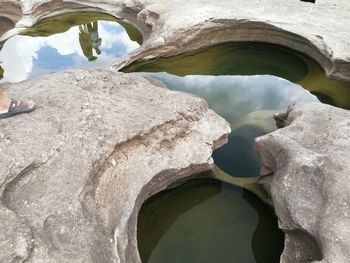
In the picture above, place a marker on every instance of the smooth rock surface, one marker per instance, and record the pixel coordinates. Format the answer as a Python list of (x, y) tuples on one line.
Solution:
[(306, 169), (320, 30), (312, 216), (74, 173)]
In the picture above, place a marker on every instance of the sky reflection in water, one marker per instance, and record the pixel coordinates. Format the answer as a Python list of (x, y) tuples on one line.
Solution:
[(181, 228), (26, 57), (207, 221), (248, 104)]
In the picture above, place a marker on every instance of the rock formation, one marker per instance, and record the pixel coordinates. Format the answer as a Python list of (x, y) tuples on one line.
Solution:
[(306, 170), (319, 30), (74, 173)]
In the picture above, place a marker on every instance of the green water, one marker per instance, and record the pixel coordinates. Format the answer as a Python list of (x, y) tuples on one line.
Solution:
[(253, 59), (245, 83), (207, 221), (202, 220), (248, 104)]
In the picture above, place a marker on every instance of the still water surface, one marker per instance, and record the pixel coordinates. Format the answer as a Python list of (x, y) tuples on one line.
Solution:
[(253, 59), (246, 84), (208, 221), (69, 41), (202, 220), (248, 104)]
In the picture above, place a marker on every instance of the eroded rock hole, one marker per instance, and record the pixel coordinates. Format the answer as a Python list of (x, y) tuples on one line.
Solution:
[(207, 221), (247, 102), (73, 40), (246, 83)]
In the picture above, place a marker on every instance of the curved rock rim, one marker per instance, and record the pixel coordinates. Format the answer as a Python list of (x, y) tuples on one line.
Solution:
[(163, 36)]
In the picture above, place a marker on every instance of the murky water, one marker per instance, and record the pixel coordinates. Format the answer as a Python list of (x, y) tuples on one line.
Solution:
[(246, 84), (207, 221), (248, 103), (69, 41), (249, 82), (202, 220), (253, 59)]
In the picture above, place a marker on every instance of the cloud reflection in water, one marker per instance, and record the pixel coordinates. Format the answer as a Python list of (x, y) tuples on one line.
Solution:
[(235, 96), (26, 57), (247, 103)]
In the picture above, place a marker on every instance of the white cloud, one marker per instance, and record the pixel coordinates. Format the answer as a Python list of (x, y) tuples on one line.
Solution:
[(17, 57), (111, 38), (65, 43), (234, 85), (234, 96), (19, 52)]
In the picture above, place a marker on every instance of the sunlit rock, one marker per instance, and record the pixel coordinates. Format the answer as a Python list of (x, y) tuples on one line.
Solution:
[(75, 172), (320, 30), (305, 168), (312, 155)]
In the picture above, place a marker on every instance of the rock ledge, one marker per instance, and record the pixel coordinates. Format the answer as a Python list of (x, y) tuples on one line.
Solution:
[(74, 173), (319, 30), (306, 170)]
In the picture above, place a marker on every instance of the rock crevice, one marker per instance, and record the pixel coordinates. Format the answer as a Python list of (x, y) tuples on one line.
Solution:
[(304, 167)]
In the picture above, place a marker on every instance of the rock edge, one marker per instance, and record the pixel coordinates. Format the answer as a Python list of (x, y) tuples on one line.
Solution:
[(74, 173)]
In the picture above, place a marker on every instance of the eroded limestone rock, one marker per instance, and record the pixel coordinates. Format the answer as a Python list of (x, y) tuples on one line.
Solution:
[(306, 169), (319, 30), (74, 173)]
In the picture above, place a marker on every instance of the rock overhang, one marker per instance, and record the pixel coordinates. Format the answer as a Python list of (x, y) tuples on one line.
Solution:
[(318, 30), (292, 24), (75, 172)]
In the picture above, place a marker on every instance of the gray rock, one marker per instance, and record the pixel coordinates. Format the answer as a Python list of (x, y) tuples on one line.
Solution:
[(307, 214), (306, 169), (74, 173), (320, 30)]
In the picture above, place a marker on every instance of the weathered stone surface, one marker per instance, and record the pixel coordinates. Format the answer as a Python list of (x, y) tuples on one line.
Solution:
[(306, 169), (74, 173), (320, 30)]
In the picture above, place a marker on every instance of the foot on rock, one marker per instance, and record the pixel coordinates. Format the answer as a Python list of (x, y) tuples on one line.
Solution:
[(18, 107)]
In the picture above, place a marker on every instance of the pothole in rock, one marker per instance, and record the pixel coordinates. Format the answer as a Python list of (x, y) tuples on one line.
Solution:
[(248, 103), (74, 40), (246, 83), (250, 59), (207, 221)]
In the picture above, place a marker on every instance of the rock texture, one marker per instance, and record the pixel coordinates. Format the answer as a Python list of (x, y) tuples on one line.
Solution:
[(320, 30), (74, 173), (136, 151), (306, 169)]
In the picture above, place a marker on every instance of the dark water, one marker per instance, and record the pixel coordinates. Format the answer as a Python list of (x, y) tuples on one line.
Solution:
[(246, 83), (202, 220), (248, 104), (253, 59), (76, 40), (207, 221)]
